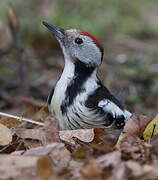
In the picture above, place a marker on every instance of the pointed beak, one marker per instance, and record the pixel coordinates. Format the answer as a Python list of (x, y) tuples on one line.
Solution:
[(59, 33)]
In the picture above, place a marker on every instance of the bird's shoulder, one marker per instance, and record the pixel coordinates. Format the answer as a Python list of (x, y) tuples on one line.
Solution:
[(109, 105), (101, 97)]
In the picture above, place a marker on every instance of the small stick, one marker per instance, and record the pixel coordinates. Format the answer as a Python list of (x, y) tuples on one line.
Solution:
[(21, 119)]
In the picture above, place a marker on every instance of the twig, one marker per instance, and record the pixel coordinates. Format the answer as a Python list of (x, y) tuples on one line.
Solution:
[(21, 119), (154, 126)]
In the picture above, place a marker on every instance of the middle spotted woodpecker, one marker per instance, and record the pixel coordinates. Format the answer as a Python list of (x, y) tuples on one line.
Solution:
[(79, 99)]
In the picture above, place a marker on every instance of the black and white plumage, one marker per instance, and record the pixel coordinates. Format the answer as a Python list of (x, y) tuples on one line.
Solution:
[(79, 99)]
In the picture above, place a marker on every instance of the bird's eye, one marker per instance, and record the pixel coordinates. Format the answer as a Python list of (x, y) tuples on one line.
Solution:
[(78, 41)]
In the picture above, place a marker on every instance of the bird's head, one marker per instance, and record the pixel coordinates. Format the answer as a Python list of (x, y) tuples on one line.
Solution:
[(78, 45)]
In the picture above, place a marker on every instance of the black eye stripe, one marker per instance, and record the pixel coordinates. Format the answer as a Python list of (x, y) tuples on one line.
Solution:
[(78, 41)]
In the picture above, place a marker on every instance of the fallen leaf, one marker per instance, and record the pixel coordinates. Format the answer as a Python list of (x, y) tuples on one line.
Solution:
[(41, 114), (139, 171), (51, 130), (135, 167), (16, 167), (43, 150), (151, 129), (45, 170), (5, 135), (46, 135), (29, 143), (61, 156), (113, 164), (9, 122), (85, 135), (111, 159), (33, 134), (57, 152), (93, 171), (134, 127), (133, 148)]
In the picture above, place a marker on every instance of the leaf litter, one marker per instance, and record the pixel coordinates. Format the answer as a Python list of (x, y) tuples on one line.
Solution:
[(31, 151)]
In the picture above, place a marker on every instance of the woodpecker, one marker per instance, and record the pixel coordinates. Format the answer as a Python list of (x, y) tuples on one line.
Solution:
[(79, 99)]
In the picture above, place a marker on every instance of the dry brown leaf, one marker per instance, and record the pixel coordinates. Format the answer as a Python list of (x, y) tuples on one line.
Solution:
[(135, 167), (85, 135), (133, 148), (5, 135), (112, 163), (146, 171), (62, 156), (29, 143), (33, 134), (46, 135), (9, 122), (104, 141), (93, 171), (45, 170), (57, 152), (134, 127), (51, 130), (119, 172), (18, 152), (75, 167), (44, 150), (98, 133), (111, 159), (17, 167)]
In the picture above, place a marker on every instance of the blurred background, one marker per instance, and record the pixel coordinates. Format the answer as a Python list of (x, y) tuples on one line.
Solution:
[(31, 60)]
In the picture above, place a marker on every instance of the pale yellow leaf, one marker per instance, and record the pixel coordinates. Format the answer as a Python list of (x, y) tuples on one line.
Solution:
[(151, 129)]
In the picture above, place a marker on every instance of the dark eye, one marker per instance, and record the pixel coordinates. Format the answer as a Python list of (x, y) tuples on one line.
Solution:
[(78, 41)]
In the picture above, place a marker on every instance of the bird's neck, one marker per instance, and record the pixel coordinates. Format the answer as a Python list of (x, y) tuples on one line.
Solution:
[(79, 70), (75, 76), (75, 68)]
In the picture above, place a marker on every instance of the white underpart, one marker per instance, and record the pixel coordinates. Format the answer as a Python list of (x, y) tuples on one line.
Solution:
[(60, 88), (110, 107)]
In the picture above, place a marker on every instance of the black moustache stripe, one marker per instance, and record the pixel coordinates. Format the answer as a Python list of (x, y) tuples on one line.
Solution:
[(82, 73)]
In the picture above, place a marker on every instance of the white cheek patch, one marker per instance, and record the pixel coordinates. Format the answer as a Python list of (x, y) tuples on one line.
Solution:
[(109, 107)]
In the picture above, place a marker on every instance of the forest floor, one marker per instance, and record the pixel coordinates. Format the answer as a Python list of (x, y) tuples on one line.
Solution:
[(31, 63)]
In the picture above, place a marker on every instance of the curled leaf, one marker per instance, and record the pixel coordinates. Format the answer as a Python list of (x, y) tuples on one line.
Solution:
[(129, 142), (85, 135), (134, 127)]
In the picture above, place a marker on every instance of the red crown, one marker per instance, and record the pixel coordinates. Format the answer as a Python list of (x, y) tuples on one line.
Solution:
[(93, 38)]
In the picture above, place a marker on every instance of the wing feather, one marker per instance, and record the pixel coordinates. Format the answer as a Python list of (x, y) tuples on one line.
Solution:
[(110, 107)]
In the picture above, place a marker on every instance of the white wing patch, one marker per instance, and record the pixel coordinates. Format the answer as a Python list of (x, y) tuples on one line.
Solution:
[(112, 108)]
